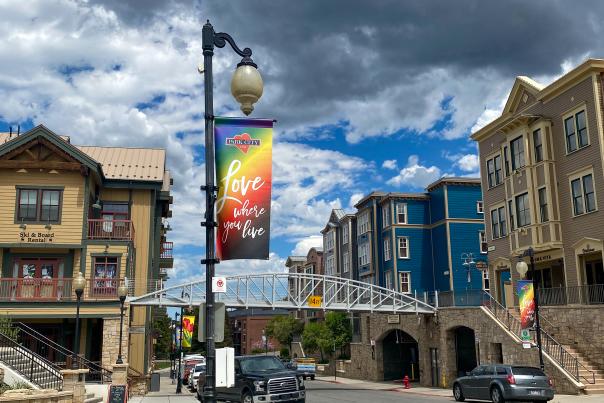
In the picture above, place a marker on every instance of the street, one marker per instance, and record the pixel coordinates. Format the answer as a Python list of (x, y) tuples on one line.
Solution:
[(324, 392)]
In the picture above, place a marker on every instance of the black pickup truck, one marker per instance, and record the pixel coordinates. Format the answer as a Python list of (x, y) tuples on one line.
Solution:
[(260, 378)]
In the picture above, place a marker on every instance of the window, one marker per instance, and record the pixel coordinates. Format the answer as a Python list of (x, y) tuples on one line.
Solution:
[(345, 234), (330, 265), (345, 263), (105, 276), (506, 162), (387, 253), (482, 239), (115, 214), (401, 213), (511, 213), (523, 210), (498, 228), (403, 247), (485, 280), (480, 207), (386, 215), (538, 144), (517, 148), (329, 240), (363, 254), (543, 213), (405, 282), (575, 128), (584, 197), (494, 174), (363, 223), (388, 280), (39, 205)]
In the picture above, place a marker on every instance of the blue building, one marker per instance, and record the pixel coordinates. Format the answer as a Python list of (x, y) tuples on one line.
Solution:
[(416, 242)]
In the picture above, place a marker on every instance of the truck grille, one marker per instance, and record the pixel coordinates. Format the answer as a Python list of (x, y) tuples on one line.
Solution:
[(282, 385)]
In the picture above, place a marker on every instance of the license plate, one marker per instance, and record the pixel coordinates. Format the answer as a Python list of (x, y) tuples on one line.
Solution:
[(535, 392)]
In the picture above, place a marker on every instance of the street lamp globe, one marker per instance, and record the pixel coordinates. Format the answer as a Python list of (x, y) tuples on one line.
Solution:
[(247, 85), (522, 268), (122, 291), (79, 283)]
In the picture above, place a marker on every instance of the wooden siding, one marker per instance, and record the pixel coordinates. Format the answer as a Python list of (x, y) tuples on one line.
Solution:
[(117, 195), (69, 231)]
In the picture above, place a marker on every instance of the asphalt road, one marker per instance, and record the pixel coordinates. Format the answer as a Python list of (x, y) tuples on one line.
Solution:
[(325, 392)]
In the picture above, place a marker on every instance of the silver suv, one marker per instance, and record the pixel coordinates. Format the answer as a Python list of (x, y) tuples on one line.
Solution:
[(500, 383)]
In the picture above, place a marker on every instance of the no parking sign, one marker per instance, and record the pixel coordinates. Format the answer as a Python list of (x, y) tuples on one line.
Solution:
[(219, 284)]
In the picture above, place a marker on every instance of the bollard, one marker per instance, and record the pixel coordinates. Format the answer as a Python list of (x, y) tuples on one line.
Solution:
[(406, 382)]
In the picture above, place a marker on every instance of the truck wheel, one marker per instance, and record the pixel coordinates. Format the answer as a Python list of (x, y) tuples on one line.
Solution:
[(312, 377), (247, 397)]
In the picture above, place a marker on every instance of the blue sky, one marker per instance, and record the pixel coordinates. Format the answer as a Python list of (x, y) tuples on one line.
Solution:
[(367, 97)]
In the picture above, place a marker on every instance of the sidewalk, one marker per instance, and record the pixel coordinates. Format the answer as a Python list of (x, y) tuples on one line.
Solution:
[(166, 393), (422, 390)]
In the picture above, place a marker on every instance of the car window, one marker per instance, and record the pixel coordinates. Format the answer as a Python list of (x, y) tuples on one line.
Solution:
[(477, 371), (261, 364), (530, 371), (501, 371), (488, 370)]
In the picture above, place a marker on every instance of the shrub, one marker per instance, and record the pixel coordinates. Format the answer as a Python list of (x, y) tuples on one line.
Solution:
[(284, 352)]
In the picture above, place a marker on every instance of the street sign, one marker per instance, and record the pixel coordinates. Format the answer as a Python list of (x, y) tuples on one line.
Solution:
[(315, 301), (481, 265), (393, 319), (219, 313), (219, 284), (525, 335), (526, 345)]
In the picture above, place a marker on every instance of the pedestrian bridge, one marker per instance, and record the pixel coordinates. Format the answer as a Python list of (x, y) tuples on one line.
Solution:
[(294, 291)]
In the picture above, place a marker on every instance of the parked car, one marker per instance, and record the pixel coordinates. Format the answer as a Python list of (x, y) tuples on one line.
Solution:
[(500, 383), (306, 367), (260, 378), (196, 372), (189, 366)]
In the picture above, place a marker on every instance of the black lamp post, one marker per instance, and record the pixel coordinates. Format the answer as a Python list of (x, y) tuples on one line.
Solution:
[(246, 87), (122, 292), (79, 283), (179, 352), (522, 268)]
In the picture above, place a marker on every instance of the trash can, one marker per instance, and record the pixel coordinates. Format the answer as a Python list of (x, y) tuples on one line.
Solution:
[(154, 387)]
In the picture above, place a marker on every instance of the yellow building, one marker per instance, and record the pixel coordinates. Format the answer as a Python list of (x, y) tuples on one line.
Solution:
[(97, 210)]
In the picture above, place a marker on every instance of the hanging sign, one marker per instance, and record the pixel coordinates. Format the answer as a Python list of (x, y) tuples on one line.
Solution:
[(243, 176), (526, 300), (219, 284), (188, 323)]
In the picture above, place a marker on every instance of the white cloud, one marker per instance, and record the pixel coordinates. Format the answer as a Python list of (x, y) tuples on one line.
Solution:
[(304, 245), (354, 199), (415, 175), (390, 164), (468, 163)]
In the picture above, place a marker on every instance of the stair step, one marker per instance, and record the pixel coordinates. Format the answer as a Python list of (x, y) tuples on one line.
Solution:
[(95, 399), (599, 391)]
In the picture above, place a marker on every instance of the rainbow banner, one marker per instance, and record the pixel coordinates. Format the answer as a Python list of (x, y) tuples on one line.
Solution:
[(188, 324), (526, 300), (243, 176)]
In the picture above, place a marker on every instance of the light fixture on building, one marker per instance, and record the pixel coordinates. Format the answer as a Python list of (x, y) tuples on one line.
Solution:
[(168, 228), (106, 248), (48, 226), (23, 226), (97, 204)]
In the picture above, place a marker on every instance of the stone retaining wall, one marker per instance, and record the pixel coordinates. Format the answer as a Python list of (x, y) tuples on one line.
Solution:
[(36, 396)]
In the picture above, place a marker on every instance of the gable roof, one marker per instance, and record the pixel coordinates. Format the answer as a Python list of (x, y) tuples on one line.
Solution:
[(113, 163)]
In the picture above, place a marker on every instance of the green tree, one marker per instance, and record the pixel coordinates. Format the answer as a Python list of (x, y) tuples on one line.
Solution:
[(283, 329), (339, 328), (161, 328), (317, 337)]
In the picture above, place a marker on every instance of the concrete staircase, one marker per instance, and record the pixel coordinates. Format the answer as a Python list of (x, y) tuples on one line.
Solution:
[(91, 398), (31, 371), (586, 375)]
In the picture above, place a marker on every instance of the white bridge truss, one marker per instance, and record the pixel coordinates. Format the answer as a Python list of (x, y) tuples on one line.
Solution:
[(291, 291)]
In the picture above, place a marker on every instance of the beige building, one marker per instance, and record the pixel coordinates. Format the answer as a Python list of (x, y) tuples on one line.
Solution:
[(541, 166)]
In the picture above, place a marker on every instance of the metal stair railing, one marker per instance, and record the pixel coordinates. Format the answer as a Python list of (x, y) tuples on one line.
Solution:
[(96, 373), (553, 348), (33, 367)]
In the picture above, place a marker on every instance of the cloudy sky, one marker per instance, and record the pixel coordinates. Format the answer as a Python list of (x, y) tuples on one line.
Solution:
[(369, 95)]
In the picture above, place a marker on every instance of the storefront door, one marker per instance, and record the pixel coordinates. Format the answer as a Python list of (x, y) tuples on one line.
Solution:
[(502, 292)]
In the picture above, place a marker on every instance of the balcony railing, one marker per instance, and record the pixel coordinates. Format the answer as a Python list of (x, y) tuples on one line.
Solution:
[(55, 289), (581, 294), (118, 230), (35, 289), (166, 250)]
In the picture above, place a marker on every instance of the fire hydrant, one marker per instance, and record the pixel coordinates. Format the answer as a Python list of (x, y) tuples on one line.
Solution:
[(406, 382)]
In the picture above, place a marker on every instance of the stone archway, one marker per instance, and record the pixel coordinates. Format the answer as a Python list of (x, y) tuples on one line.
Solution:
[(465, 349), (400, 354)]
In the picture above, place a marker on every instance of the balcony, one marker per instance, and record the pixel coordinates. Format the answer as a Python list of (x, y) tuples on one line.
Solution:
[(55, 289), (114, 230), (166, 261)]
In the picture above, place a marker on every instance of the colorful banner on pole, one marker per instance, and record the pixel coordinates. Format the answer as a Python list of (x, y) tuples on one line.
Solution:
[(188, 324), (243, 175), (526, 299)]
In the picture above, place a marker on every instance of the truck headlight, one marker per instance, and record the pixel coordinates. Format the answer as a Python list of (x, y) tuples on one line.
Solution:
[(259, 385), (300, 381)]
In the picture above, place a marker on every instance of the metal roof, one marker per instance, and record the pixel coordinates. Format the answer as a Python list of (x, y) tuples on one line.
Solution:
[(140, 164)]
